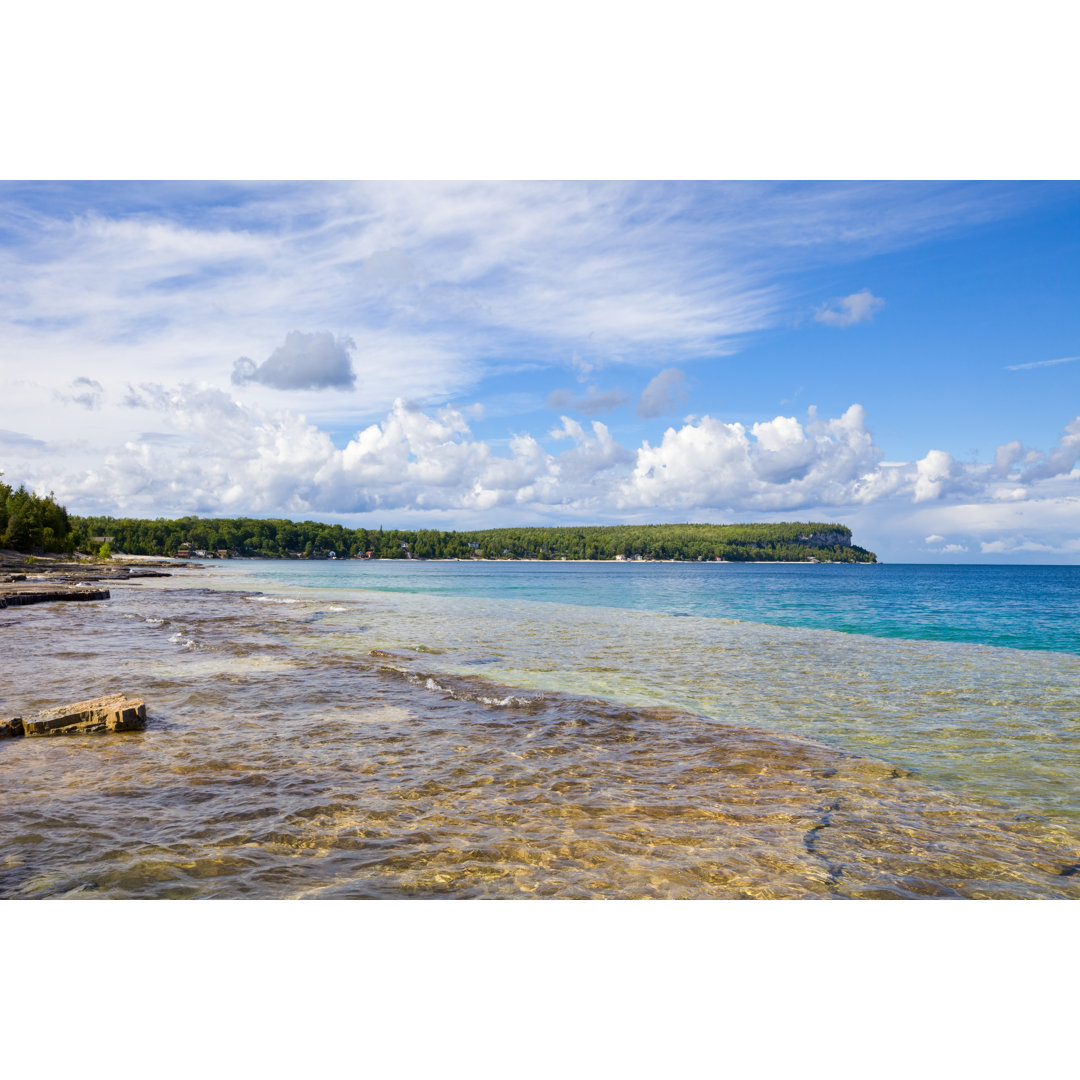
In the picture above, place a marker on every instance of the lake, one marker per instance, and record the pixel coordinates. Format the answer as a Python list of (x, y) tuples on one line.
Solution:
[(404, 728)]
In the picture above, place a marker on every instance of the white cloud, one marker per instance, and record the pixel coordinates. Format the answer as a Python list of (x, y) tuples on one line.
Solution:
[(848, 310), (581, 469), (1016, 545), (775, 465), (1062, 459), (213, 454), (606, 273), (935, 475), (207, 452), (1006, 455), (665, 393)]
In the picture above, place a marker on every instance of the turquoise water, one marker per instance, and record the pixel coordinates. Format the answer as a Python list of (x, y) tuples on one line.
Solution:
[(969, 676), (1019, 607)]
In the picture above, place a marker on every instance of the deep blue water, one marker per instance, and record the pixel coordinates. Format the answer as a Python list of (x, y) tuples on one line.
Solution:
[(1021, 607)]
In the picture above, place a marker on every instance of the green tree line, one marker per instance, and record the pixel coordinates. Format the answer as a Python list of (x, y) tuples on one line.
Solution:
[(30, 522), (279, 538)]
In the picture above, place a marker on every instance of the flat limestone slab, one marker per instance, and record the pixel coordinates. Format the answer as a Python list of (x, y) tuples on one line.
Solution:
[(116, 712), (32, 592)]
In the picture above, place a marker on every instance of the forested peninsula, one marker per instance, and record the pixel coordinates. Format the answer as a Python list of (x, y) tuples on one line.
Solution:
[(32, 523)]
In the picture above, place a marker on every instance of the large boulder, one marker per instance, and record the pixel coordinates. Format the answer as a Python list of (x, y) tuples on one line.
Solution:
[(117, 712)]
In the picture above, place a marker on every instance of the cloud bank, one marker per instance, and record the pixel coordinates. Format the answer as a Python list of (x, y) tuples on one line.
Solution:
[(238, 458), (209, 454)]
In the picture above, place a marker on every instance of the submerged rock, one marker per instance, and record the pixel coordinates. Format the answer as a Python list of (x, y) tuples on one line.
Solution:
[(116, 712)]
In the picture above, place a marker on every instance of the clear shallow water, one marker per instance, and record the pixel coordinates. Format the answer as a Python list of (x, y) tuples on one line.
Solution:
[(514, 735), (1023, 607)]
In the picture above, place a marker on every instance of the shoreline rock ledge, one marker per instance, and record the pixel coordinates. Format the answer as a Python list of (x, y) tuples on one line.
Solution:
[(114, 712), (34, 592)]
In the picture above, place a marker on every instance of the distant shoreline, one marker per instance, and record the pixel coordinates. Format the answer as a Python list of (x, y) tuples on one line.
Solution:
[(482, 559), (210, 538)]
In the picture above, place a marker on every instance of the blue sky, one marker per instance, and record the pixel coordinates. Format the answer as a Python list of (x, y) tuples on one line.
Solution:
[(902, 357)]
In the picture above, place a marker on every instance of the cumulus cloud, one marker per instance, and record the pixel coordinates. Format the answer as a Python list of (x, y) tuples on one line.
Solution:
[(85, 392), (778, 464), (664, 394), (207, 453), (848, 310), (594, 401), (226, 457), (1059, 461), (935, 475), (229, 459), (590, 455), (304, 362), (1006, 455)]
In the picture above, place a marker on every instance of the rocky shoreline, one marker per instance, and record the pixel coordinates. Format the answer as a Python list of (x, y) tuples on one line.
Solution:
[(43, 579), (20, 594)]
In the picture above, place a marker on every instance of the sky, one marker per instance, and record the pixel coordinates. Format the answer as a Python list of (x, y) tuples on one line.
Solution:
[(902, 357)]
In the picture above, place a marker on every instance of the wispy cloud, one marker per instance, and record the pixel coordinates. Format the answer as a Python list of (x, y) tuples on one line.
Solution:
[(848, 310), (83, 391), (594, 401), (1041, 363), (665, 393), (18, 439), (614, 273)]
